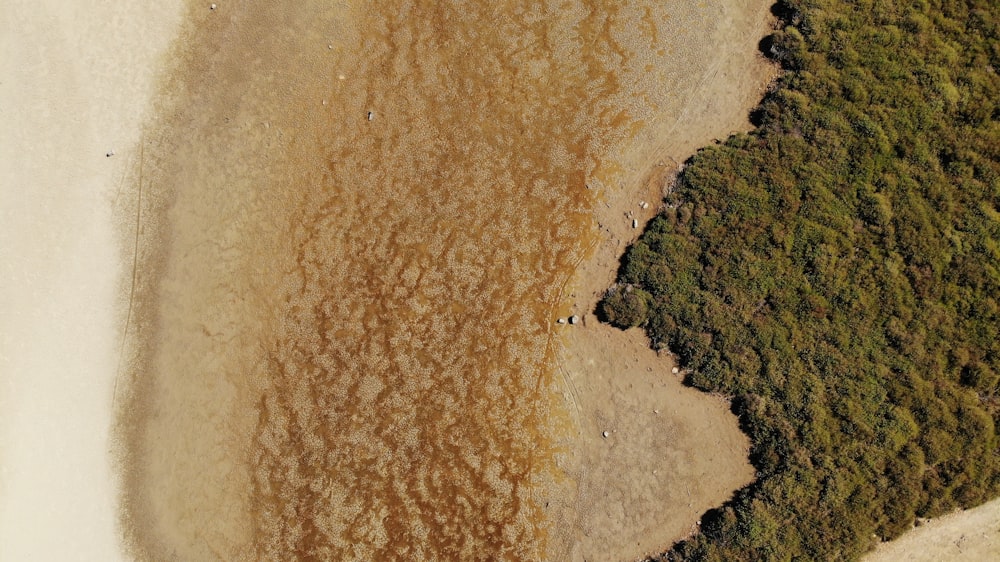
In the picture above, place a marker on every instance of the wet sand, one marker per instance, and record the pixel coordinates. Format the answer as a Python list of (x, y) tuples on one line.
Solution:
[(76, 80), (355, 225)]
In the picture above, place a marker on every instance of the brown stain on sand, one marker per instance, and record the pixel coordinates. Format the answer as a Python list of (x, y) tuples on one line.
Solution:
[(360, 221)]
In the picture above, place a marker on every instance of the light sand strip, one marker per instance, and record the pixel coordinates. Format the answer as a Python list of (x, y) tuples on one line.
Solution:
[(964, 536), (76, 78)]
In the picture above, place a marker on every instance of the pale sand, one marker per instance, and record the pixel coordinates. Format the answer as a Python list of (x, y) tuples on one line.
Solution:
[(76, 78), (964, 536)]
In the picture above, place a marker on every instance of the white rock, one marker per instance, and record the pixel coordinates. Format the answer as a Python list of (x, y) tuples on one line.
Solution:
[(561, 321), (675, 370), (574, 319), (635, 223), (212, 7), (604, 434), (371, 115)]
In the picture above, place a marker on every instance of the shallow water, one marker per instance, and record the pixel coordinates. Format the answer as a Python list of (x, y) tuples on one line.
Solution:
[(368, 215)]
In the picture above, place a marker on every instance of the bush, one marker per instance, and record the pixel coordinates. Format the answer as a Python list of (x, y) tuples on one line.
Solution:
[(625, 307)]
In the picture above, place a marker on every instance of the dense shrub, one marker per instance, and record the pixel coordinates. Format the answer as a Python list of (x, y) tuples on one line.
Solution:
[(625, 307), (837, 272)]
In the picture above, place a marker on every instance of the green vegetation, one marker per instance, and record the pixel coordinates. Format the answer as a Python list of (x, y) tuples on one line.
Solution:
[(626, 306), (837, 272)]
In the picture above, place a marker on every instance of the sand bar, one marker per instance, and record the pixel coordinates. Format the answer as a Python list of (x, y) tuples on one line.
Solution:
[(76, 78)]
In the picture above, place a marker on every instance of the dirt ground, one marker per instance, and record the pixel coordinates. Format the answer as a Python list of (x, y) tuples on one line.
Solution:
[(964, 536), (671, 452)]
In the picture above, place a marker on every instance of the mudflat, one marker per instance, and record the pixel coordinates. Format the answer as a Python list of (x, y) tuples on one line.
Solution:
[(354, 227)]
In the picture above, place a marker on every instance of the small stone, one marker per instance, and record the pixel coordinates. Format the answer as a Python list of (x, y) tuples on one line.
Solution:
[(212, 7), (371, 115), (635, 223), (109, 154), (675, 370), (604, 434), (561, 321), (645, 205), (574, 319)]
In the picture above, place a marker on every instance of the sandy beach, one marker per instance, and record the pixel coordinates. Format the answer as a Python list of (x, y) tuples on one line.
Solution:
[(76, 81)]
